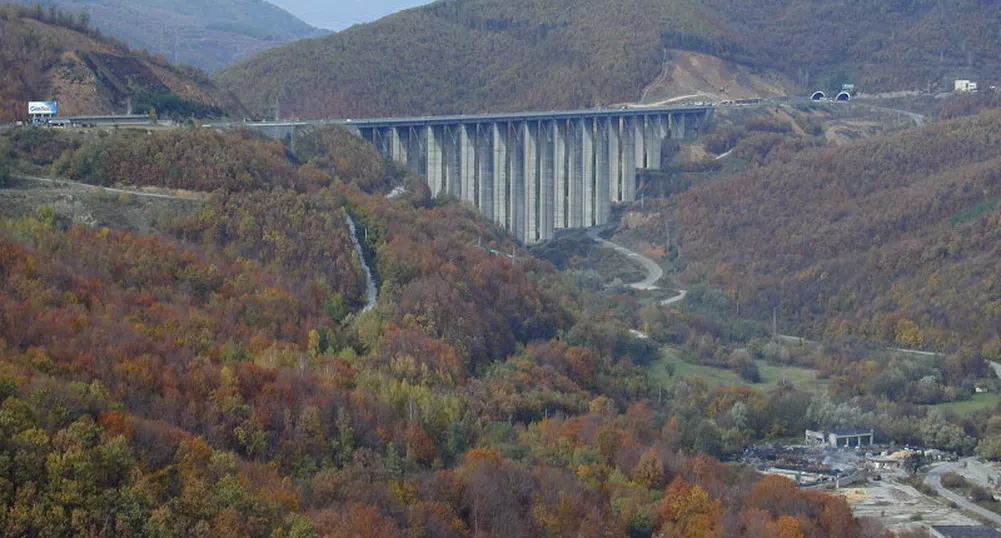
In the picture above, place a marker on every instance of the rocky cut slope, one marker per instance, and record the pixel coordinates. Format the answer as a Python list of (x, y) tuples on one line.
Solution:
[(48, 55)]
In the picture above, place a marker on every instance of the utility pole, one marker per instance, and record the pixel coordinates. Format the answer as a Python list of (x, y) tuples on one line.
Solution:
[(775, 323), (668, 240)]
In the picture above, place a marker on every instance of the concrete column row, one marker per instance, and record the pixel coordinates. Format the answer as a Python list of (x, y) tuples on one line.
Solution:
[(534, 176)]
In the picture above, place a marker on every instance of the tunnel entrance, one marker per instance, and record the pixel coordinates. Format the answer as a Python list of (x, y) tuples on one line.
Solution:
[(818, 96), (843, 96)]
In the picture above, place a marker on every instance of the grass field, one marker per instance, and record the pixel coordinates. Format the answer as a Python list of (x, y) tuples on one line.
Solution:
[(983, 400), (771, 375), (802, 378)]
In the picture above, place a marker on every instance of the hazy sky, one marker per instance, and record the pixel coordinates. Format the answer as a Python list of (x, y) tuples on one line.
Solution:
[(339, 14)]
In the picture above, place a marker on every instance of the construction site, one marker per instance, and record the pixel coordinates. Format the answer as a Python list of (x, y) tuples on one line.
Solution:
[(898, 486)]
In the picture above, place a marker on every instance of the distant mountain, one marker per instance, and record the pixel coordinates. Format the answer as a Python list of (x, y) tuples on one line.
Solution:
[(474, 55), (207, 35), (52, 56), (894, 239), (340, 15)]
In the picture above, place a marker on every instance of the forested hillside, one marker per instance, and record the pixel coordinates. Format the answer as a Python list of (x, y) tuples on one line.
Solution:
[(218, 377), (52, 55), (464, 56), (207, 35), (894, 239)]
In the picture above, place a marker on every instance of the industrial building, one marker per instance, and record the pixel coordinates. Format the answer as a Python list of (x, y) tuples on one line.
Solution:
[(841, 438)]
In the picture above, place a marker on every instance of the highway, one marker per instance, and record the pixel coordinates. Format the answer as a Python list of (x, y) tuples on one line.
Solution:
[(404, 121), (638, 109), (934, 479)]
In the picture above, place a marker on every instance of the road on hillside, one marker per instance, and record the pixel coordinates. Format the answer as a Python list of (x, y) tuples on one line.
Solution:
[(77, 184), (801, 340), (653, 271), (918, 119), (676, 299), (934, 479)]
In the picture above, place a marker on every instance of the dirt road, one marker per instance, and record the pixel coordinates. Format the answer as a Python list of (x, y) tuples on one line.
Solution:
[(653, 271), (77, 184)]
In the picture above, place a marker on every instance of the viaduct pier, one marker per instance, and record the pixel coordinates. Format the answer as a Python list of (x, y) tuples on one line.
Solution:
[(531, 172)]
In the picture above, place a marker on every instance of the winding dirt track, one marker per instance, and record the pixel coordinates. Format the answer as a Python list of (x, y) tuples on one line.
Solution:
[(653, 271)]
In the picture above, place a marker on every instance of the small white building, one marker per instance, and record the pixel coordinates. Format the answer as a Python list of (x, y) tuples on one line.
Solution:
[(965, 86)]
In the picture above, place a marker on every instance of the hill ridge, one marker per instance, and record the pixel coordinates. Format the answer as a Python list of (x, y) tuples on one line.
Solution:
[(207, 35), (467, 56)]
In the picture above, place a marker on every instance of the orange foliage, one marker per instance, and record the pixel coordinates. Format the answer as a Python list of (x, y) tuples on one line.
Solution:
[(115, 423), (355, 521), (785, 527), (423, 446), (687, 511)]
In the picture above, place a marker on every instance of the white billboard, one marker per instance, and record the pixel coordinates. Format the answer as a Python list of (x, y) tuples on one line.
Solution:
[(50, 108)]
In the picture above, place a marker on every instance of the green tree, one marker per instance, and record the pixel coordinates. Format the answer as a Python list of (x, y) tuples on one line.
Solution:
[(989, 448), (455, 440), (395, 465), (913, 463), (295, 526), (706, 439), (344, 445)]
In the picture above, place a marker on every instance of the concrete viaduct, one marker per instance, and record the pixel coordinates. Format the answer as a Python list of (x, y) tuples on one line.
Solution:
[(536, 172)]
